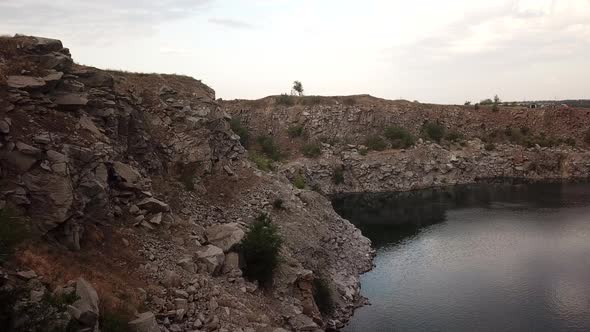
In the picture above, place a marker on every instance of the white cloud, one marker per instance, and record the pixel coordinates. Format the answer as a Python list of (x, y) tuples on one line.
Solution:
[(439, 51)]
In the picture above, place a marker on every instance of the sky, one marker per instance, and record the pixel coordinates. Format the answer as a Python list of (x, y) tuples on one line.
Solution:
[(427, 50)]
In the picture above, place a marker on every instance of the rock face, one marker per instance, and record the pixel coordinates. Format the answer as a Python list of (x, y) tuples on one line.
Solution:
[(138, 171), (225, 236), (344, 124)]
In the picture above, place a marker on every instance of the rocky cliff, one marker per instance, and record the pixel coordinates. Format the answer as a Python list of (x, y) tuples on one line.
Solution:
[(481, 143), (137, 183)]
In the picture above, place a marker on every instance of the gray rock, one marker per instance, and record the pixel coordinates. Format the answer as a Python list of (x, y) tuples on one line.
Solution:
[(58, 162), (156, 219), (25, 82), (145, 322), (187, 264), (133, 209), (153, 205), (4, 127), (225, 236), (27, 275), (86, 306), (18, 160), (181, 303), (51, 198), (45, 45), (171, 279), (211, 256), (71, 101), (232, 262), (27, 149), (42, 139), (126, 172)]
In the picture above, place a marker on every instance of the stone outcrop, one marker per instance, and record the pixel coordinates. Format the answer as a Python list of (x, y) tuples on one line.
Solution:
[(142, 174)]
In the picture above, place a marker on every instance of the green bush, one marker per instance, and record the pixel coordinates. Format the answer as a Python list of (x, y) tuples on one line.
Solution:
[(375, 142), (454, 136), (569, 141), (433, 131), (61, 301), (13, 231), (476, 106), (187, 175), (363, 151), (113, 322), (240, 130), (260, 247), (486, 102), (311, 100), (278, 204), (323, 296), (338, 176), (490, 147), (400, 138), (263, 163), (350, 101), (328, 140), (295, 131), (285, 99), (311, 150), (299, 181), (8, 300), (269, 148)]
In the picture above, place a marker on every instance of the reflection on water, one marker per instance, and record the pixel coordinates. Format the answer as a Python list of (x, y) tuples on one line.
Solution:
[(491, 257)]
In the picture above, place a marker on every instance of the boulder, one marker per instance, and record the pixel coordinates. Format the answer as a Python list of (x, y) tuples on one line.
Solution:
[(43, 138), (27, 275), (25, 82), (225, 236), (51, 196), (85, 309), (46, 45), (4, 127), (18, 160), (153, 205), (71, 101), (232, 262), (187, 264), (87, 123), (58, 161), (56, 60), (171, 279), (27, 149), (95, 78), (126, 173), (156, 219), (211, 256), (145, 322)]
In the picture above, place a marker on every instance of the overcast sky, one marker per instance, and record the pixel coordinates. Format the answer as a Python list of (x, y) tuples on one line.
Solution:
[(427, 50)]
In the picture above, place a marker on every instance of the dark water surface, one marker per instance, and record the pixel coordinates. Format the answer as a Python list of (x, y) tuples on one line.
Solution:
[(477, 258)]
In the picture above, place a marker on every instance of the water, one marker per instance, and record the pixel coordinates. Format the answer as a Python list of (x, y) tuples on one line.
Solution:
[(479, 258)]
